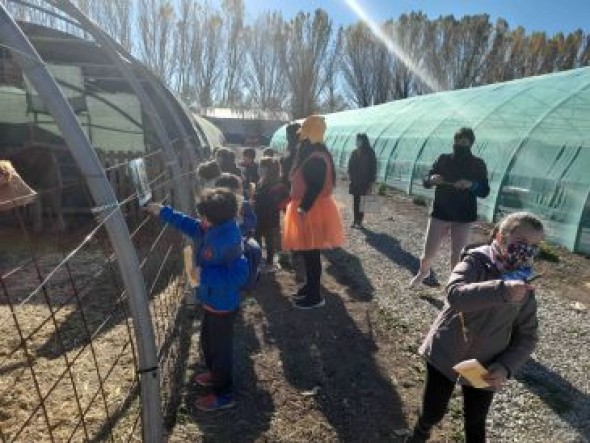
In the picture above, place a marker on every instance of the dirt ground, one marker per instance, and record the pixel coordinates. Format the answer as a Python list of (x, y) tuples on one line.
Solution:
[(348, 372), (338, 373)]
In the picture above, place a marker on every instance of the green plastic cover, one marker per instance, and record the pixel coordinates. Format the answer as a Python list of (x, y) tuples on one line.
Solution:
[(533, 133)]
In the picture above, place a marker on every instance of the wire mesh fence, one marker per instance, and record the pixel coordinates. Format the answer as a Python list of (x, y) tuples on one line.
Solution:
[(69, 354), (68, 361)]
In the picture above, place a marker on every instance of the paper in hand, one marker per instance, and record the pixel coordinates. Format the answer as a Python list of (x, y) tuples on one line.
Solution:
[(140, 181), (472, 371)]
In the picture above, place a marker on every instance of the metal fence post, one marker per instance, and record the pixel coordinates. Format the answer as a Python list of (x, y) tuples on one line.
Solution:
[(129, 76), (87, 161)]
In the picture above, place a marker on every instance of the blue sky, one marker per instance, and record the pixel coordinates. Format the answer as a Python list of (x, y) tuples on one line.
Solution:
[(535, 15)]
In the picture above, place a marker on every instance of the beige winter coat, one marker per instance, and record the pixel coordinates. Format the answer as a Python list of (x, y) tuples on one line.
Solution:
[(478, 322)]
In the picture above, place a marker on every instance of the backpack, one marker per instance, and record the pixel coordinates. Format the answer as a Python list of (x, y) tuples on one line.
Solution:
[(253, 255)]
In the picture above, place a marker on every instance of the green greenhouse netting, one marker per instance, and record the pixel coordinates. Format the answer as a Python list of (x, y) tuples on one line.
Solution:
[(534, 135)]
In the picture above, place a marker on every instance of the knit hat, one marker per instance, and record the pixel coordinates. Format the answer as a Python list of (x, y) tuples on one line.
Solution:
[(313, 128)]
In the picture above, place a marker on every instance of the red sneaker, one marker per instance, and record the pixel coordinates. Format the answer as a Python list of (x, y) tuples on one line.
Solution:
[(205, 379), (213, 402)]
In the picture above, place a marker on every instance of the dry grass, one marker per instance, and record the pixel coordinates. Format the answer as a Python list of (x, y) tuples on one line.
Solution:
[(56, 375)]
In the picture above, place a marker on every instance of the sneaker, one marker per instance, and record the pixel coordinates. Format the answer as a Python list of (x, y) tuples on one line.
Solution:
[(307, 303), (204, 379), (213, 402), (419, 278)]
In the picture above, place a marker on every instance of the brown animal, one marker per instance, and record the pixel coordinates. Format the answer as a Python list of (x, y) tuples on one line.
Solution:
[(39, 168)]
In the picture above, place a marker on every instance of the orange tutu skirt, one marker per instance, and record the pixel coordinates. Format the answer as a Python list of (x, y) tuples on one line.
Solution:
[(320, 228)]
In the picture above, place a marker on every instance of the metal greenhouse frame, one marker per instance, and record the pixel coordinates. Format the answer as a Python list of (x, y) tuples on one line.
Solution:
[(180, 140), (533, 133)]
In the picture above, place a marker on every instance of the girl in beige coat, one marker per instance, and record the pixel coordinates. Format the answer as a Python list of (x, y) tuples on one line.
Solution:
[(490, 315)]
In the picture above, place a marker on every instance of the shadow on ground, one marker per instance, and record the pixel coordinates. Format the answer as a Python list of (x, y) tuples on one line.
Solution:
[(329, 356), (566, 400), (348, 270), (391, 248), (254, 408)]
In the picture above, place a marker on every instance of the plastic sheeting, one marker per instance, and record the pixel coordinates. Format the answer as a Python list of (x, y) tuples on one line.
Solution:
[(534, 135), (112, 121)]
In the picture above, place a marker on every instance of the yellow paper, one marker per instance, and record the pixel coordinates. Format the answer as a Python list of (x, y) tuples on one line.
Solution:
[(189, 267), (472, 371)]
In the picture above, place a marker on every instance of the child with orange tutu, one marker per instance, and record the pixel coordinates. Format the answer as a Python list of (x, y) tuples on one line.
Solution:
[(312, 219)]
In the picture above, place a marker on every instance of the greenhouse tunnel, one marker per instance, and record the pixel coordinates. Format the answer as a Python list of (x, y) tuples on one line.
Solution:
[(534, 135), (109, 112)]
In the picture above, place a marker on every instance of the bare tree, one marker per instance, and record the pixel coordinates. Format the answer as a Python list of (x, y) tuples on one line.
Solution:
[(359, 50), (307, 41), (331, 97), (114, 17), (263, 77), (409, 31), (569, 50), (233, 13), (156, 20), (186, 31), (206, 54), (458, 50)]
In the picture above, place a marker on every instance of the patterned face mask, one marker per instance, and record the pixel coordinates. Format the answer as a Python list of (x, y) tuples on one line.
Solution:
[(519, 255)]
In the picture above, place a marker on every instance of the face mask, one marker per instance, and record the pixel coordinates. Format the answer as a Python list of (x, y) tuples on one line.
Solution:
[(516, 256), (461, 151)]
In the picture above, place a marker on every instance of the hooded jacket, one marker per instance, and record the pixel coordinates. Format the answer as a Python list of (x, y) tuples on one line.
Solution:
[(478, 321), (219, 253)]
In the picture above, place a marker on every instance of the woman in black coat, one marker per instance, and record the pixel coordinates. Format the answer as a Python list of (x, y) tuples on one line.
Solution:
[(362, 173)]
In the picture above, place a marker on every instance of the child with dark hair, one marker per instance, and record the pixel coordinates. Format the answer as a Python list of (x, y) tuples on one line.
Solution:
[(223, 271), (208, 173), (249, 168), (246, 217), (269, 152), (247, 223), (269, 194), (226, 159)]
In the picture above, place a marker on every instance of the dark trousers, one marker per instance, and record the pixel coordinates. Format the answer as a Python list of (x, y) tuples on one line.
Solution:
[(437, 393), (313, 273), (217, 337), (271, 241), (356, 208)]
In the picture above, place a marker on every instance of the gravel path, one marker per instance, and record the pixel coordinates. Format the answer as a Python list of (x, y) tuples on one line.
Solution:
[(549, 401)]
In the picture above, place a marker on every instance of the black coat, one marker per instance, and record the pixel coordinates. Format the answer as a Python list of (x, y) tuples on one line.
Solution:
[(362, 170), (458, 205)]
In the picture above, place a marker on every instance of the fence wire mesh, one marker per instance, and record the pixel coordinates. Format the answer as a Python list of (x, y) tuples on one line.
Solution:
[(68, 358), (68, 355)]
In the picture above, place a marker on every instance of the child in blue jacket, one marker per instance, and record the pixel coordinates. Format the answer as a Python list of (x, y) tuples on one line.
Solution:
[(224, 270)]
